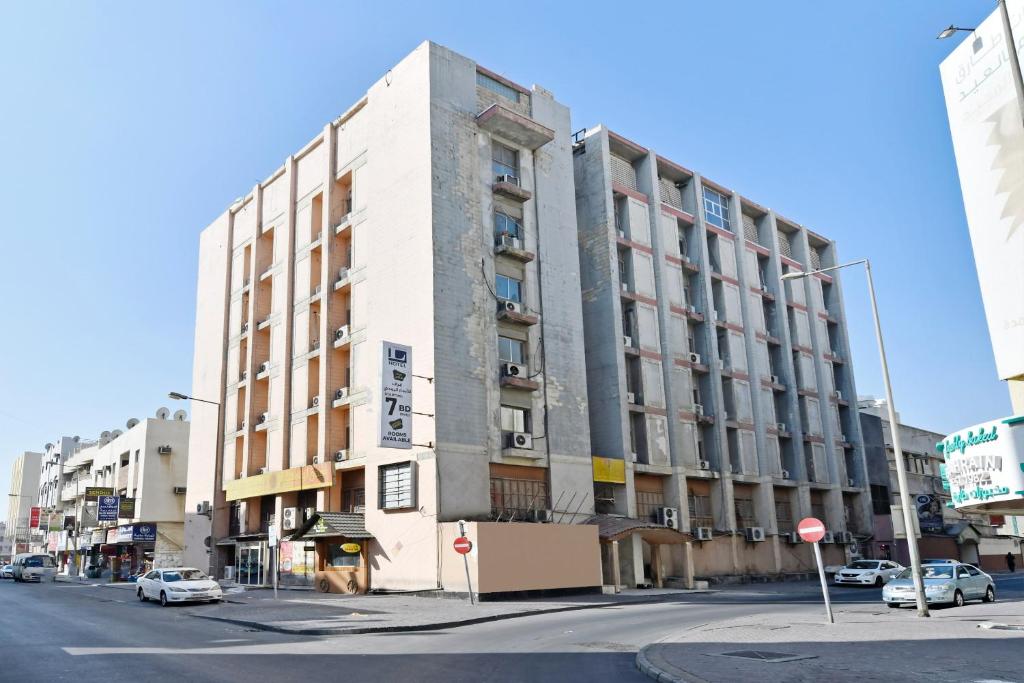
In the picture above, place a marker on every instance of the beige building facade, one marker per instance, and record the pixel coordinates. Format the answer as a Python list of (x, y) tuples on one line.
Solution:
[(22, 497)]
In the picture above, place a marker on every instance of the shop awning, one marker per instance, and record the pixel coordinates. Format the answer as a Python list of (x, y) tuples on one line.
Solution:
[(615, 528), (324, 524), (231, 540)]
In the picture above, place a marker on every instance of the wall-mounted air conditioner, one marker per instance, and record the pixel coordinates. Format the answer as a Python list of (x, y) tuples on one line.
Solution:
[(695, 358), (264, 367), (508, 178), (784, 474), (704, 464), (703, 533), (519, 440), (315, 402), (668, 517), (775, 379), (512, 370), (178, 490), (341, 333), (754, 534), (341, 455), (163, 450), (627, 341), (509, 306), (341, 393), (698, 409), (263, 418), (781, 426), (289, 517)]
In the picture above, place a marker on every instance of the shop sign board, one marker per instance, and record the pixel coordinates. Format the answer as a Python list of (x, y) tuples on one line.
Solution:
[(142, 533), (99, 536), (112, 535), (984, 465), (33, 518), (126, 507), (94, 492), (351, 547), (124, 534), (107, 508), (396, 396)]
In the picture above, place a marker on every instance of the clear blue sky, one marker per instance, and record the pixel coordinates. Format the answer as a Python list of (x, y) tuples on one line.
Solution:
[(126, 128)]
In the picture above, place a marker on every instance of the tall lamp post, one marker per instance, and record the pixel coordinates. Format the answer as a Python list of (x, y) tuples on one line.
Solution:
[(901, 470), (177, 396), (1011, 48)]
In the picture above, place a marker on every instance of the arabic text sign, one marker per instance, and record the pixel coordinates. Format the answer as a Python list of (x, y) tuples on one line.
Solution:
[(985, 463), (107, 508), (395, 396)]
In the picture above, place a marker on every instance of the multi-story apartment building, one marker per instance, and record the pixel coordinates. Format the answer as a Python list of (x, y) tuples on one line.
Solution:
[(436, 213), (54, 477), (144, 466), (972, 537), (23, 495), (726, 394)]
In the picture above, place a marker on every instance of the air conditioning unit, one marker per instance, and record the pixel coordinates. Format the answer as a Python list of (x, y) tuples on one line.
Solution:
[(790, 537), (698, 409), (827, 538), (512, 370), (315, 345), (242, 426), (668, 517), (262, 470), (519, 440), (630, 397), (842, 437), (341, 393), (262, 418), (842, 537), (622, 233), (244, 376), (316, 459), (541, 516), (784, 474), (343, 273), (203, 508), (775, 379), (695, 358), (264, 367), (315, 402), (308, 513), (703, 533), (316, 290), (839, 395), (721, 364), (625, 286), (178, 490), (754, 534), (341, 455), (508, 178), (341, 333), (632, 456), (627, 341), (508, 241), (704, 464), (163, 450), (289, 517), (781, 426), (510, 306), (851, 482), (245, 327)]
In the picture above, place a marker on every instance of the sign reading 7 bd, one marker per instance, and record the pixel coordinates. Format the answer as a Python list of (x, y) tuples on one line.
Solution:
[(395, 396)]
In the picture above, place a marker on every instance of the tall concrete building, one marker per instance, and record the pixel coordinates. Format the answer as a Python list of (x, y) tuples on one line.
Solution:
[(717, 396), (54, 478), (436, 213), (23, 495)]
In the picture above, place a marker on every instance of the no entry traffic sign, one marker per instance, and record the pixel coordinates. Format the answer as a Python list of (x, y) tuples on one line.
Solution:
[(811, 529), (463, 545)]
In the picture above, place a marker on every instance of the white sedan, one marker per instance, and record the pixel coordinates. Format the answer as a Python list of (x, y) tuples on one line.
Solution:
[(178, 584), (868, 573)]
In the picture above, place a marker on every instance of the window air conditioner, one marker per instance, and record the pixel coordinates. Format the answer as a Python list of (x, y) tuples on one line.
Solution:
[(668, 517), (784, 474), (509, 306), (512, 370), (519, 440), (263, 418), (341, 393), (695, 358), (781, 426), (315, 402), (754, 534), (704, 464), (341, 333), (508, 178), (178, 490), (627, 341), (288, 518), (163, 450), (508, 241), (698, 410), (703, 533), (630, 397), (341, 455)]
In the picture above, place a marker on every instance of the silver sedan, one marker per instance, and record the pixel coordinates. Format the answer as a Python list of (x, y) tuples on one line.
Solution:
[(951, 584)]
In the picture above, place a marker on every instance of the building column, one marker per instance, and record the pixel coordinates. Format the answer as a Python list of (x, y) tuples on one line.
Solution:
[(616, 572)]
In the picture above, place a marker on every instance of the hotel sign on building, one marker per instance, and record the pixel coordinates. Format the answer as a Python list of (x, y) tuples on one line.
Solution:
[(985, 124), (984, 467)]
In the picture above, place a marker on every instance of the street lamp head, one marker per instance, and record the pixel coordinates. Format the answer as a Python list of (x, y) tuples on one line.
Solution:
[(795, 275), (177, 397), (946, 32)]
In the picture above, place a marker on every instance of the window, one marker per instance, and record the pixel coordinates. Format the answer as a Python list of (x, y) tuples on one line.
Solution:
[(511, 351), (396, 488), (716, 209), (494, 85), (504, 160), (516, 498), (784, 516), (745, 512), (508, 288), (682, 242), (700, 510), (507, 225), (515, 419), (647, 504), (880, 500), (337, 556), (353, 500)]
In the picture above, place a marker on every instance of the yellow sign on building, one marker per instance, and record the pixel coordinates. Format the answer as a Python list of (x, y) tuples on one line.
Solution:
[(609, 470), (294, 479)]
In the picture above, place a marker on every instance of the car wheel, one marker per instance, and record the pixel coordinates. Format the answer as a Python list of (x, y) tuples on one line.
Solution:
[(163, 599), (894, 605), (958, 599), (142, 596), (990, 595), (879, 582)]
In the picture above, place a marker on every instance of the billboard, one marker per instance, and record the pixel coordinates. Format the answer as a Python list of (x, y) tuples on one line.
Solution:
[(984, 468), (106, 511), (988, 139), (395, 396), (929, 513)]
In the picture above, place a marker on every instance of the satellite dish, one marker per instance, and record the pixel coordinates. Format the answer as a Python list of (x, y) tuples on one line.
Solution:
[(105, 435), (163, 414), (49, 446), (180, 415), (131, 423), (116, 433)]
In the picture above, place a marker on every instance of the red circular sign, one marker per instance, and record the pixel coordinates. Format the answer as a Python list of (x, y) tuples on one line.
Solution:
[(811, 529), (463, 545)]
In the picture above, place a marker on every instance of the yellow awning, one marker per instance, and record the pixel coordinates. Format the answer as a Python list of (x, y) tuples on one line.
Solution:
[(294, 479)]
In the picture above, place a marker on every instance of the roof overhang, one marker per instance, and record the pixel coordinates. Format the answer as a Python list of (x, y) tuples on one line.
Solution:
[(514, 127)]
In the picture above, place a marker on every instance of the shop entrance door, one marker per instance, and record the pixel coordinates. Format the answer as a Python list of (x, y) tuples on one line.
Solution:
[(249, 564)]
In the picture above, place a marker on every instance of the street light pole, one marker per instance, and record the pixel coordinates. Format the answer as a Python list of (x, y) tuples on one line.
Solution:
[(1011, 48), (901, 470)]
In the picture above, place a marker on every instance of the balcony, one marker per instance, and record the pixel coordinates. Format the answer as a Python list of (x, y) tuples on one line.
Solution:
[(630, 345), (344, 280), (513, 312), (514, 127), (342, 397), (510, 187), (512, 247), (517, 377)]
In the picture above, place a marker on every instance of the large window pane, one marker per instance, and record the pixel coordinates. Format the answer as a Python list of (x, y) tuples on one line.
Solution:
[(508, 288), (511, 351)]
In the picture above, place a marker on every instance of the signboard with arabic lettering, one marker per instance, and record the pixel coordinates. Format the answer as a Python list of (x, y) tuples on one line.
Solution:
[(984, 465)]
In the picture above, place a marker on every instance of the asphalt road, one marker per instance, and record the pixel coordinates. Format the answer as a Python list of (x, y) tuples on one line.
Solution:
[(73, 632)]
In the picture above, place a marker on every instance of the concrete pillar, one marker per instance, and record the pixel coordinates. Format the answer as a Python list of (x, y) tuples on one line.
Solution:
[(616, 572)]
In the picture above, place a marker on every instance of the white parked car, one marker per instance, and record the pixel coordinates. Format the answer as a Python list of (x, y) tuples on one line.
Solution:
[(868, 573), (178, 584)]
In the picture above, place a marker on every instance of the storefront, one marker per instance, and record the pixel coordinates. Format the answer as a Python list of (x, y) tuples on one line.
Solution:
[(340, 553), (129, 550)]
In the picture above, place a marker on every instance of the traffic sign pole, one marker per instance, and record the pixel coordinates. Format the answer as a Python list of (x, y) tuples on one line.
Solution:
[(824, 584), (465, 561)]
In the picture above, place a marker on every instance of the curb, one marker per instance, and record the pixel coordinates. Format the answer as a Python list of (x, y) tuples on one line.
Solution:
[(434, 626), (652, 665)]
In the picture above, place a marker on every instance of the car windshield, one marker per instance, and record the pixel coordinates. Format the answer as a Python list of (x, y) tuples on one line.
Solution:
[(931, 572), (862, 564), (34, 562), (184, 575)]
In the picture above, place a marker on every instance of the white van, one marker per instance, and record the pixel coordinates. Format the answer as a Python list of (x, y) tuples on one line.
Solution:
[(34, 567)]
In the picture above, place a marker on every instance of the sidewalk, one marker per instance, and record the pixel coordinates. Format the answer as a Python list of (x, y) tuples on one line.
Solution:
[(867, 643), (307, 613)]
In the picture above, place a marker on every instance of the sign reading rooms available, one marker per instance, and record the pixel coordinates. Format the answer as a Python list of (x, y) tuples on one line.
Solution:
[(985, 463)]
